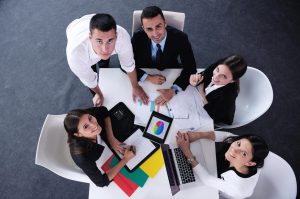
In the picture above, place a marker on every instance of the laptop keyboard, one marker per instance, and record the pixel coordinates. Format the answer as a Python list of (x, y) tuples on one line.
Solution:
[(185, 169)]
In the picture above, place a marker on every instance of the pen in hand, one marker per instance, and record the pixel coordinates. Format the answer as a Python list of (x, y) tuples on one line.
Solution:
[(130, 148), (199, 82)]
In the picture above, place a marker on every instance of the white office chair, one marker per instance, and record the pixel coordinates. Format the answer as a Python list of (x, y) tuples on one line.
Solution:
[(254, 99), (174, 19), (53, 151), (276, 181)]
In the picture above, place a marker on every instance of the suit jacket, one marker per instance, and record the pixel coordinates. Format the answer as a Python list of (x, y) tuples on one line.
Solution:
[(92, 151), (221, 102), (177, 46)]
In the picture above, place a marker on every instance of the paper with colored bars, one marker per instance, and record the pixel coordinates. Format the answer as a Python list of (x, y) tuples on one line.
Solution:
[(138, 176), (153, 164), (124, 183), (143, 112)]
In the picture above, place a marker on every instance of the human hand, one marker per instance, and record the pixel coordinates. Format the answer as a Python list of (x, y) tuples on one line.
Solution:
[(129, 154), (165, 96), (138, 91), (156, 79), (183, 143), (117, 146), (195, 79), (98, 100)]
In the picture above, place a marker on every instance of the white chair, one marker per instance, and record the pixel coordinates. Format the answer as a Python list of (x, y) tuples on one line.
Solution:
[(174, 19), (276, 181), (254, 99), (53, 151)]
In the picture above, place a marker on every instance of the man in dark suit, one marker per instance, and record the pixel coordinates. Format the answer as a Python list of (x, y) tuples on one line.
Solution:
[(157, 45)]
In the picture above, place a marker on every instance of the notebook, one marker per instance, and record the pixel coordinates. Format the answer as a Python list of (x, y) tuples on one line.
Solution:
[(178, 169)]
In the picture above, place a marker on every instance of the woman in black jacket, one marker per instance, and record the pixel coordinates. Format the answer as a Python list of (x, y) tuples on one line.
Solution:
[(219, 87), (83, 128)]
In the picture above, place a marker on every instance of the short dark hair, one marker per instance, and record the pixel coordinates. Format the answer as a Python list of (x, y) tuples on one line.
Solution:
[(151, 12), (103, 22), (260, 149)]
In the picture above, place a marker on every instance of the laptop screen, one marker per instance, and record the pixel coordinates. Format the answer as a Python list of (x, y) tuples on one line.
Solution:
[(170, 167)]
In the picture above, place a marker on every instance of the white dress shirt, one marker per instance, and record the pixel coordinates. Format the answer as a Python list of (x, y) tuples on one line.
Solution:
[(231, 185), (81, 56), (211, 87)]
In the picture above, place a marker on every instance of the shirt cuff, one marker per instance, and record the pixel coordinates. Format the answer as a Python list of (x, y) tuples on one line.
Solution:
[(176, 88), (144, 77)]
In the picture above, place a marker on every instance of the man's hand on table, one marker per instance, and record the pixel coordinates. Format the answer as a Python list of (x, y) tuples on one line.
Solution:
[(156, 79), (98, 100), (138, 91), (165, 96)]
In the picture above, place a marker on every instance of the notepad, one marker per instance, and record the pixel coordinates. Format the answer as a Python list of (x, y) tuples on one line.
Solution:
[(143, 146)]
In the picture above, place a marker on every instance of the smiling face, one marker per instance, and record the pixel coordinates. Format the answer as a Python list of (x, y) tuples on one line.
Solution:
[(88, 127), (240, 153), (222, 75), (155, 28), (103, 43)]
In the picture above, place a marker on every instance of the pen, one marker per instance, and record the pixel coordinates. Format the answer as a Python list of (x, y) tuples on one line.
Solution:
[(130, 148), (199, 82)]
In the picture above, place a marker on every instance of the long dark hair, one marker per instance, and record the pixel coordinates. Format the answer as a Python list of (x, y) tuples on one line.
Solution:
[(260, 148), (237, 66), (78, 145)]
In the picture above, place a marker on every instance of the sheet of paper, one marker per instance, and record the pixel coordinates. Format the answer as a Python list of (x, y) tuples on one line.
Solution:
[(187, 109), (153, 164), (143, 112), (143, 147)]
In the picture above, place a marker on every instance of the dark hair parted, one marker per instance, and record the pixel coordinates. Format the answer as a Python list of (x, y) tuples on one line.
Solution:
[(260, 148), (151, 12), (236, 64), (71, 122), (103, 22)]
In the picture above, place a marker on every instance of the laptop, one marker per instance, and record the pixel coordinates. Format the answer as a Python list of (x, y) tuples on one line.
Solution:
[(178, 169)]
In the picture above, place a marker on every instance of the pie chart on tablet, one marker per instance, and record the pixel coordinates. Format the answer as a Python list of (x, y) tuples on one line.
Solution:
[(158, 127)]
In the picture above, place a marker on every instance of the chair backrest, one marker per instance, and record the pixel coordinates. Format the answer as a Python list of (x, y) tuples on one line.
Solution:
[(174, 19), (254, 99), (53, 151), (276, 181)]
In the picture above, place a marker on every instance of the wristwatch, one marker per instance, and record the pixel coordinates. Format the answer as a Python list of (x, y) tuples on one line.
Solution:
[(191, 160)]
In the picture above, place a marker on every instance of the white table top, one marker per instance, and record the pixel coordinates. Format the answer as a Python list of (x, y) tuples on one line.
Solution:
[(116, 87)]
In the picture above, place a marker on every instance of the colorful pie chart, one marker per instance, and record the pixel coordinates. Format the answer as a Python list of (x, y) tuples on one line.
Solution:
[(158, 128)]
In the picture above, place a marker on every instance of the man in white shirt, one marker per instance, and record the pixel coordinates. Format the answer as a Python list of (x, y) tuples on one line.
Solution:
[(96, 37)]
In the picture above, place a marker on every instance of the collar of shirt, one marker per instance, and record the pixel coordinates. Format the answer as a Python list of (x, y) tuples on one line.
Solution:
[(211, 88), (154, 48)]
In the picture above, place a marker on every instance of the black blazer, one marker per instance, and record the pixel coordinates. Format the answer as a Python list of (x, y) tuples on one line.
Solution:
[(221, 102), (91, 151), (177, 46)]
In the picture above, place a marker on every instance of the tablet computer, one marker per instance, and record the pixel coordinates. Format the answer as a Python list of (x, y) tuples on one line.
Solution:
[(158, 127)]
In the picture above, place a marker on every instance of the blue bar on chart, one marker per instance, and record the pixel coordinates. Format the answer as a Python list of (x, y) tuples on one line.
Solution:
[(140, 102), (152, 106)]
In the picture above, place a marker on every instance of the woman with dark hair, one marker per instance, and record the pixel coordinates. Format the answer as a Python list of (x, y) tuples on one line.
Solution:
[(83, 128), (219, 87), (238, 161)]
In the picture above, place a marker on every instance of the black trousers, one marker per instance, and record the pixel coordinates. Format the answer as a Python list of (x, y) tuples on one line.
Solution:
[(102, 64)]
